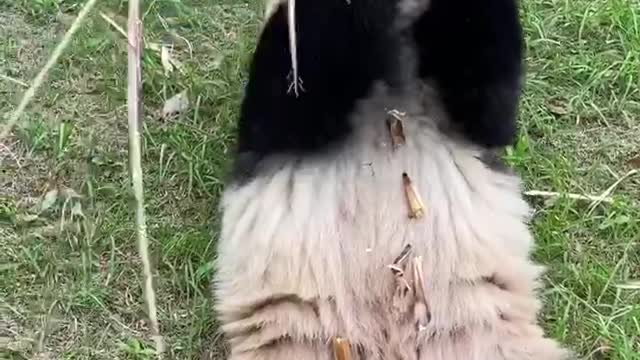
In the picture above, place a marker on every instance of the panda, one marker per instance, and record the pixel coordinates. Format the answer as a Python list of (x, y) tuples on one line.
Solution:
[(371, 208)]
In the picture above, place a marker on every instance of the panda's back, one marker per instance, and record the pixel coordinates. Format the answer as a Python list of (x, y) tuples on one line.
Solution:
[(308, 248), (409, 244)]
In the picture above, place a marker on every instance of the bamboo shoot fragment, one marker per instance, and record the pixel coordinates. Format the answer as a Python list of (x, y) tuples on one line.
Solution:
[(416, 206), (341, 349), (396, 128)]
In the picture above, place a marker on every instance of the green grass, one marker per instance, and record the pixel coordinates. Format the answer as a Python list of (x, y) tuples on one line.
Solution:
[(70, 278)]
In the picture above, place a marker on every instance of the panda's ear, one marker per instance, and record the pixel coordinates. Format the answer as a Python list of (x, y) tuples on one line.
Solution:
[(472, 51)]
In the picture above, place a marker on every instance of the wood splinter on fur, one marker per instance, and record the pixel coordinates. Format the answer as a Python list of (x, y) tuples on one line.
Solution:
[(416, 206), (397, 268), (397, 265), (421, 308), (341, 348), (396, 128), (404, 254)]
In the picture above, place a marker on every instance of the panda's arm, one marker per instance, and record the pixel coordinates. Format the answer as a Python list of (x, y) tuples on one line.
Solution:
[(472, 50), (339, 59)]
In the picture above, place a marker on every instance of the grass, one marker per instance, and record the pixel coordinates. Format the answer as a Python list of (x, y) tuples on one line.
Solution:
[(70, 279)]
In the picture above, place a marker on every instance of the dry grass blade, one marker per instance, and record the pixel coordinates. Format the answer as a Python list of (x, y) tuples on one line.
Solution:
[(341, 349), (605, 194), (551, 194), (416, 206), (15, 81), (396, 128), (114, 24), (134, 85), (631, 285), (53, 59), (596, 200)]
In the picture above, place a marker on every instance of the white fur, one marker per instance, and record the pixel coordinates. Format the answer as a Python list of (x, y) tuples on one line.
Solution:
[(305, 246)]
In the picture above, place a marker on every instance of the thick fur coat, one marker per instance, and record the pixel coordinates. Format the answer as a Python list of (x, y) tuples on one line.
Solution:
[(317, 211)]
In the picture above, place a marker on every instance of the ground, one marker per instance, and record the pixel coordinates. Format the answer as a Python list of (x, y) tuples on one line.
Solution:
[(70, 277)]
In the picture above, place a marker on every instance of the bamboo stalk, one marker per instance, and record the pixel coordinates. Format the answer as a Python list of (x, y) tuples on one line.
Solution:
[(134, 105)]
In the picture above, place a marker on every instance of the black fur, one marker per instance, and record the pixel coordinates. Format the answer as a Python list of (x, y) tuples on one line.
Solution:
[(473, 51), (340, 55), (470, 48)]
